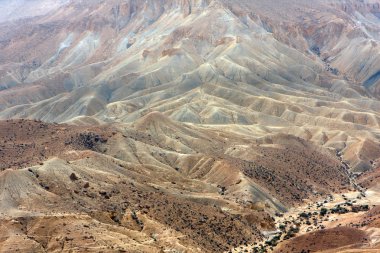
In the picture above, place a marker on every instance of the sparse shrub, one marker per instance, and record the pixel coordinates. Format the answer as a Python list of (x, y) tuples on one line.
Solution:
[(323, 211)]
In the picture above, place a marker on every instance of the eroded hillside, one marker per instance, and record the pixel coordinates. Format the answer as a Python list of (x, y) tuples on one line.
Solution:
[(189, 126), (155, 184), (233, 63)]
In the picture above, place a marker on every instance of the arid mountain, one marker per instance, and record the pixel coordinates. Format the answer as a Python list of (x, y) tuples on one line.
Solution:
[(188, 125), (154, 184), (305, 69)]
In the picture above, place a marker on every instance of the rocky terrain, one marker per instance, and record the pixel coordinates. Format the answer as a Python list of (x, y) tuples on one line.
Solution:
[(94, 62), (189, 125), (124, 177)]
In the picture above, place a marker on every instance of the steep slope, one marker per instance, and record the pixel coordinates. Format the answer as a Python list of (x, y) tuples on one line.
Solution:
[(173, 125), (117, 61)]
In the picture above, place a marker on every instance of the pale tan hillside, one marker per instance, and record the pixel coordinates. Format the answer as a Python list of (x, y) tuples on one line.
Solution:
[(203, 62), (154, 185), (189, 125)]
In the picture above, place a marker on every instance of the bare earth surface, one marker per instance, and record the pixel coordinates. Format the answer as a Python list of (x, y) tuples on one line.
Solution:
[(189, 126), (139, 185)]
